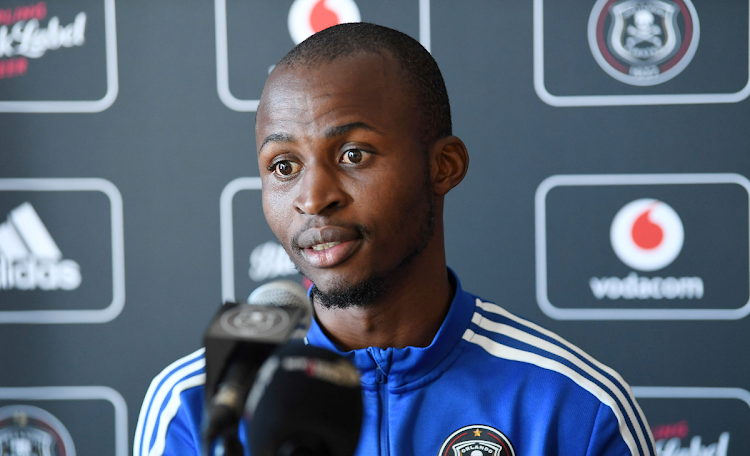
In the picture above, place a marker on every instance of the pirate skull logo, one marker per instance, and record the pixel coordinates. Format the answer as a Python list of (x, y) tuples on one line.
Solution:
[(643, 42)]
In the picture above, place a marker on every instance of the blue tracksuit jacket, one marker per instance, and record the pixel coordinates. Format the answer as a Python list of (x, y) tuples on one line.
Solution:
[(490, 383)]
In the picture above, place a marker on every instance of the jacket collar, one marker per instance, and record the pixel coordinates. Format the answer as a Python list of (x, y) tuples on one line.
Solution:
[(400, 367)]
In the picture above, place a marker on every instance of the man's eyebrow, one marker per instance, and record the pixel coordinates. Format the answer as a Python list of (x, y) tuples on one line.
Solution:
[(343, 129), (276, 137)]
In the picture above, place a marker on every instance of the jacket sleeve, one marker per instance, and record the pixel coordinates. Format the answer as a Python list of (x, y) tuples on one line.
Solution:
[(169, 422), (172, 430), (606, 437)]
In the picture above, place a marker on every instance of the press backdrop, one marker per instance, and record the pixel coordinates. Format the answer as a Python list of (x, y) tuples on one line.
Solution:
[(607, 197)]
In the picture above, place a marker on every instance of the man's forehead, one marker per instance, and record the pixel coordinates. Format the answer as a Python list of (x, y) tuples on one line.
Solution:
[(365, 83), (352, 73)]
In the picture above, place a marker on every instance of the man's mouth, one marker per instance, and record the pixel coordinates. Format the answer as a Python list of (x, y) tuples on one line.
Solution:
[(326, 246)]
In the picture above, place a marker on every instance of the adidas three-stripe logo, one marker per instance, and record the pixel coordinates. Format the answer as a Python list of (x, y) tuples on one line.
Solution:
[(526, 342), (30, 258)]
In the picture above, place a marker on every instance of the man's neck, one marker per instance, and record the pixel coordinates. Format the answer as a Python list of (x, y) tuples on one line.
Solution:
[(409, 314)]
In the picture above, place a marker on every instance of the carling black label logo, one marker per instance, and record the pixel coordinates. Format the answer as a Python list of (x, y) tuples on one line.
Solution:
[(58, 56), (250, 255), (697, 421), (675, 439), (243, 66), (643, 42), (270, 261), (641, 52), (30, 431), (61, 251), (643, 246)]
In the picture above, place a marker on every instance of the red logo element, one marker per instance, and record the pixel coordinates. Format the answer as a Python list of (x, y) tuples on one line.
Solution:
[(13, 67), (646, 234), (668, 431), (307, 17), (321, 17), (10, 16)]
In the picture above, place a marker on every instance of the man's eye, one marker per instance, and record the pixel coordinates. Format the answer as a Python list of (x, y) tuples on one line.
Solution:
[(285, 168), (354, 156)]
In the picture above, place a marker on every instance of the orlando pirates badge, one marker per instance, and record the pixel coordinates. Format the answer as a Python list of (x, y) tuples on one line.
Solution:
[(477, 440), (643, 42), (27, 430)]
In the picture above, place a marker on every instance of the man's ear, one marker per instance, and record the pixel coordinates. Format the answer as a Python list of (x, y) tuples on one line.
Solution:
[(449, 161)]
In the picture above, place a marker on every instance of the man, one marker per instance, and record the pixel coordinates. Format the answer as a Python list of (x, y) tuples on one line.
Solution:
[(356, 155)]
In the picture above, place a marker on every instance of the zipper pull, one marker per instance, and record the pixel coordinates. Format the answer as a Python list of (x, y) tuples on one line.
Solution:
[(382, 377)]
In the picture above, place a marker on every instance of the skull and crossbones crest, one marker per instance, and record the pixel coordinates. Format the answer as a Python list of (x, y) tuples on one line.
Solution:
[(30, 431), (644, 30), (643, 42), (644, 33)]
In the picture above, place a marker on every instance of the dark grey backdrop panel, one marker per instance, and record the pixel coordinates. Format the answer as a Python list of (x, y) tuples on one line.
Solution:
[(174, 150)]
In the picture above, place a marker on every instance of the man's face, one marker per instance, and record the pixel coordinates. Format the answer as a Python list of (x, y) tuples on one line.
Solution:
[(345, 174)]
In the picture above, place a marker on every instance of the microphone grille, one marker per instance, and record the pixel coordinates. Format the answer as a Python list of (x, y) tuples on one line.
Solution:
[(280, 293)]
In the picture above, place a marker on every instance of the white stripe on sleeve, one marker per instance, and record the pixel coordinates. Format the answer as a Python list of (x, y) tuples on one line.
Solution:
[(534, 341), (493, 308), (171, 410), (513, 354), (149, 410)]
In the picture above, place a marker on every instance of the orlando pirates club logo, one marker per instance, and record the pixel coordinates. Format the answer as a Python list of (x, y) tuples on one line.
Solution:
[(643, 42), (31, 431), (254, 321), (477, 440)]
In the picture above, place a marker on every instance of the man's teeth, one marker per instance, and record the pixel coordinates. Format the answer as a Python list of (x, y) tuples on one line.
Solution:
[(327, 245)]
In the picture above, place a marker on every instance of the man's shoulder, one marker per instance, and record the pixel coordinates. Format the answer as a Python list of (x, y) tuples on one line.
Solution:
[(177, 391), (505, 340), (505, 337), (538, 364)]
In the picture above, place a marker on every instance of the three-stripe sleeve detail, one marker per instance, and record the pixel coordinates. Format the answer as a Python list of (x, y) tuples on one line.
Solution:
[(163, 400), (535, 345)]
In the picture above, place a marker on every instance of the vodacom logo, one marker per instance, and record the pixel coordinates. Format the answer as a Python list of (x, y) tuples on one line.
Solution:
[(647, 234), (307, 17)]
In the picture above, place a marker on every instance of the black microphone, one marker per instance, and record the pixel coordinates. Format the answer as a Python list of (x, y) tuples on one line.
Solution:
[(238, 340), (306, 401)]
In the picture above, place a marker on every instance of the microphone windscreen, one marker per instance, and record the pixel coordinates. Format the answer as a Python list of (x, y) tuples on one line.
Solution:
[(285, 293), (280, 293), (306, 401)]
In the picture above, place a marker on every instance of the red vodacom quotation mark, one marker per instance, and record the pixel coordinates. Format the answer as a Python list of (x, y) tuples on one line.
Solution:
[(646, 234), (321, 17)]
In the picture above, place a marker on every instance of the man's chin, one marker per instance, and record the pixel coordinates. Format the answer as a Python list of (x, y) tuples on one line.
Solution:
[(341, 294)]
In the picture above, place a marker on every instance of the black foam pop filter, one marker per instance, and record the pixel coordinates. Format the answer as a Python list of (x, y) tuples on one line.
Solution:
[(306, 401)]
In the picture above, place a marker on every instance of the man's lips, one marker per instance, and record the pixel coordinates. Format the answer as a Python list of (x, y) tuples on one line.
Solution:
[(328, 246), (326, 234)]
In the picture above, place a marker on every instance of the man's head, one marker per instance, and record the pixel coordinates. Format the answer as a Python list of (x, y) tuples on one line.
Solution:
[(418, 69), (355, 154)]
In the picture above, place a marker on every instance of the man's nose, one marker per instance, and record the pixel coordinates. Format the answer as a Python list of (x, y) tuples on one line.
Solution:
[(320, 190)]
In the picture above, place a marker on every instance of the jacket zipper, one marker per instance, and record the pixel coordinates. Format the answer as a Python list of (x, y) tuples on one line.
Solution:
[(382, 379), (384, 433)]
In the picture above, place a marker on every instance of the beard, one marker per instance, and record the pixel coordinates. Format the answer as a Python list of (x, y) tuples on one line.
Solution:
[(366, 292)]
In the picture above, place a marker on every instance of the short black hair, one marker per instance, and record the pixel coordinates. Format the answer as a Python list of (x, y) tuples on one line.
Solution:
[(420, 70)]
